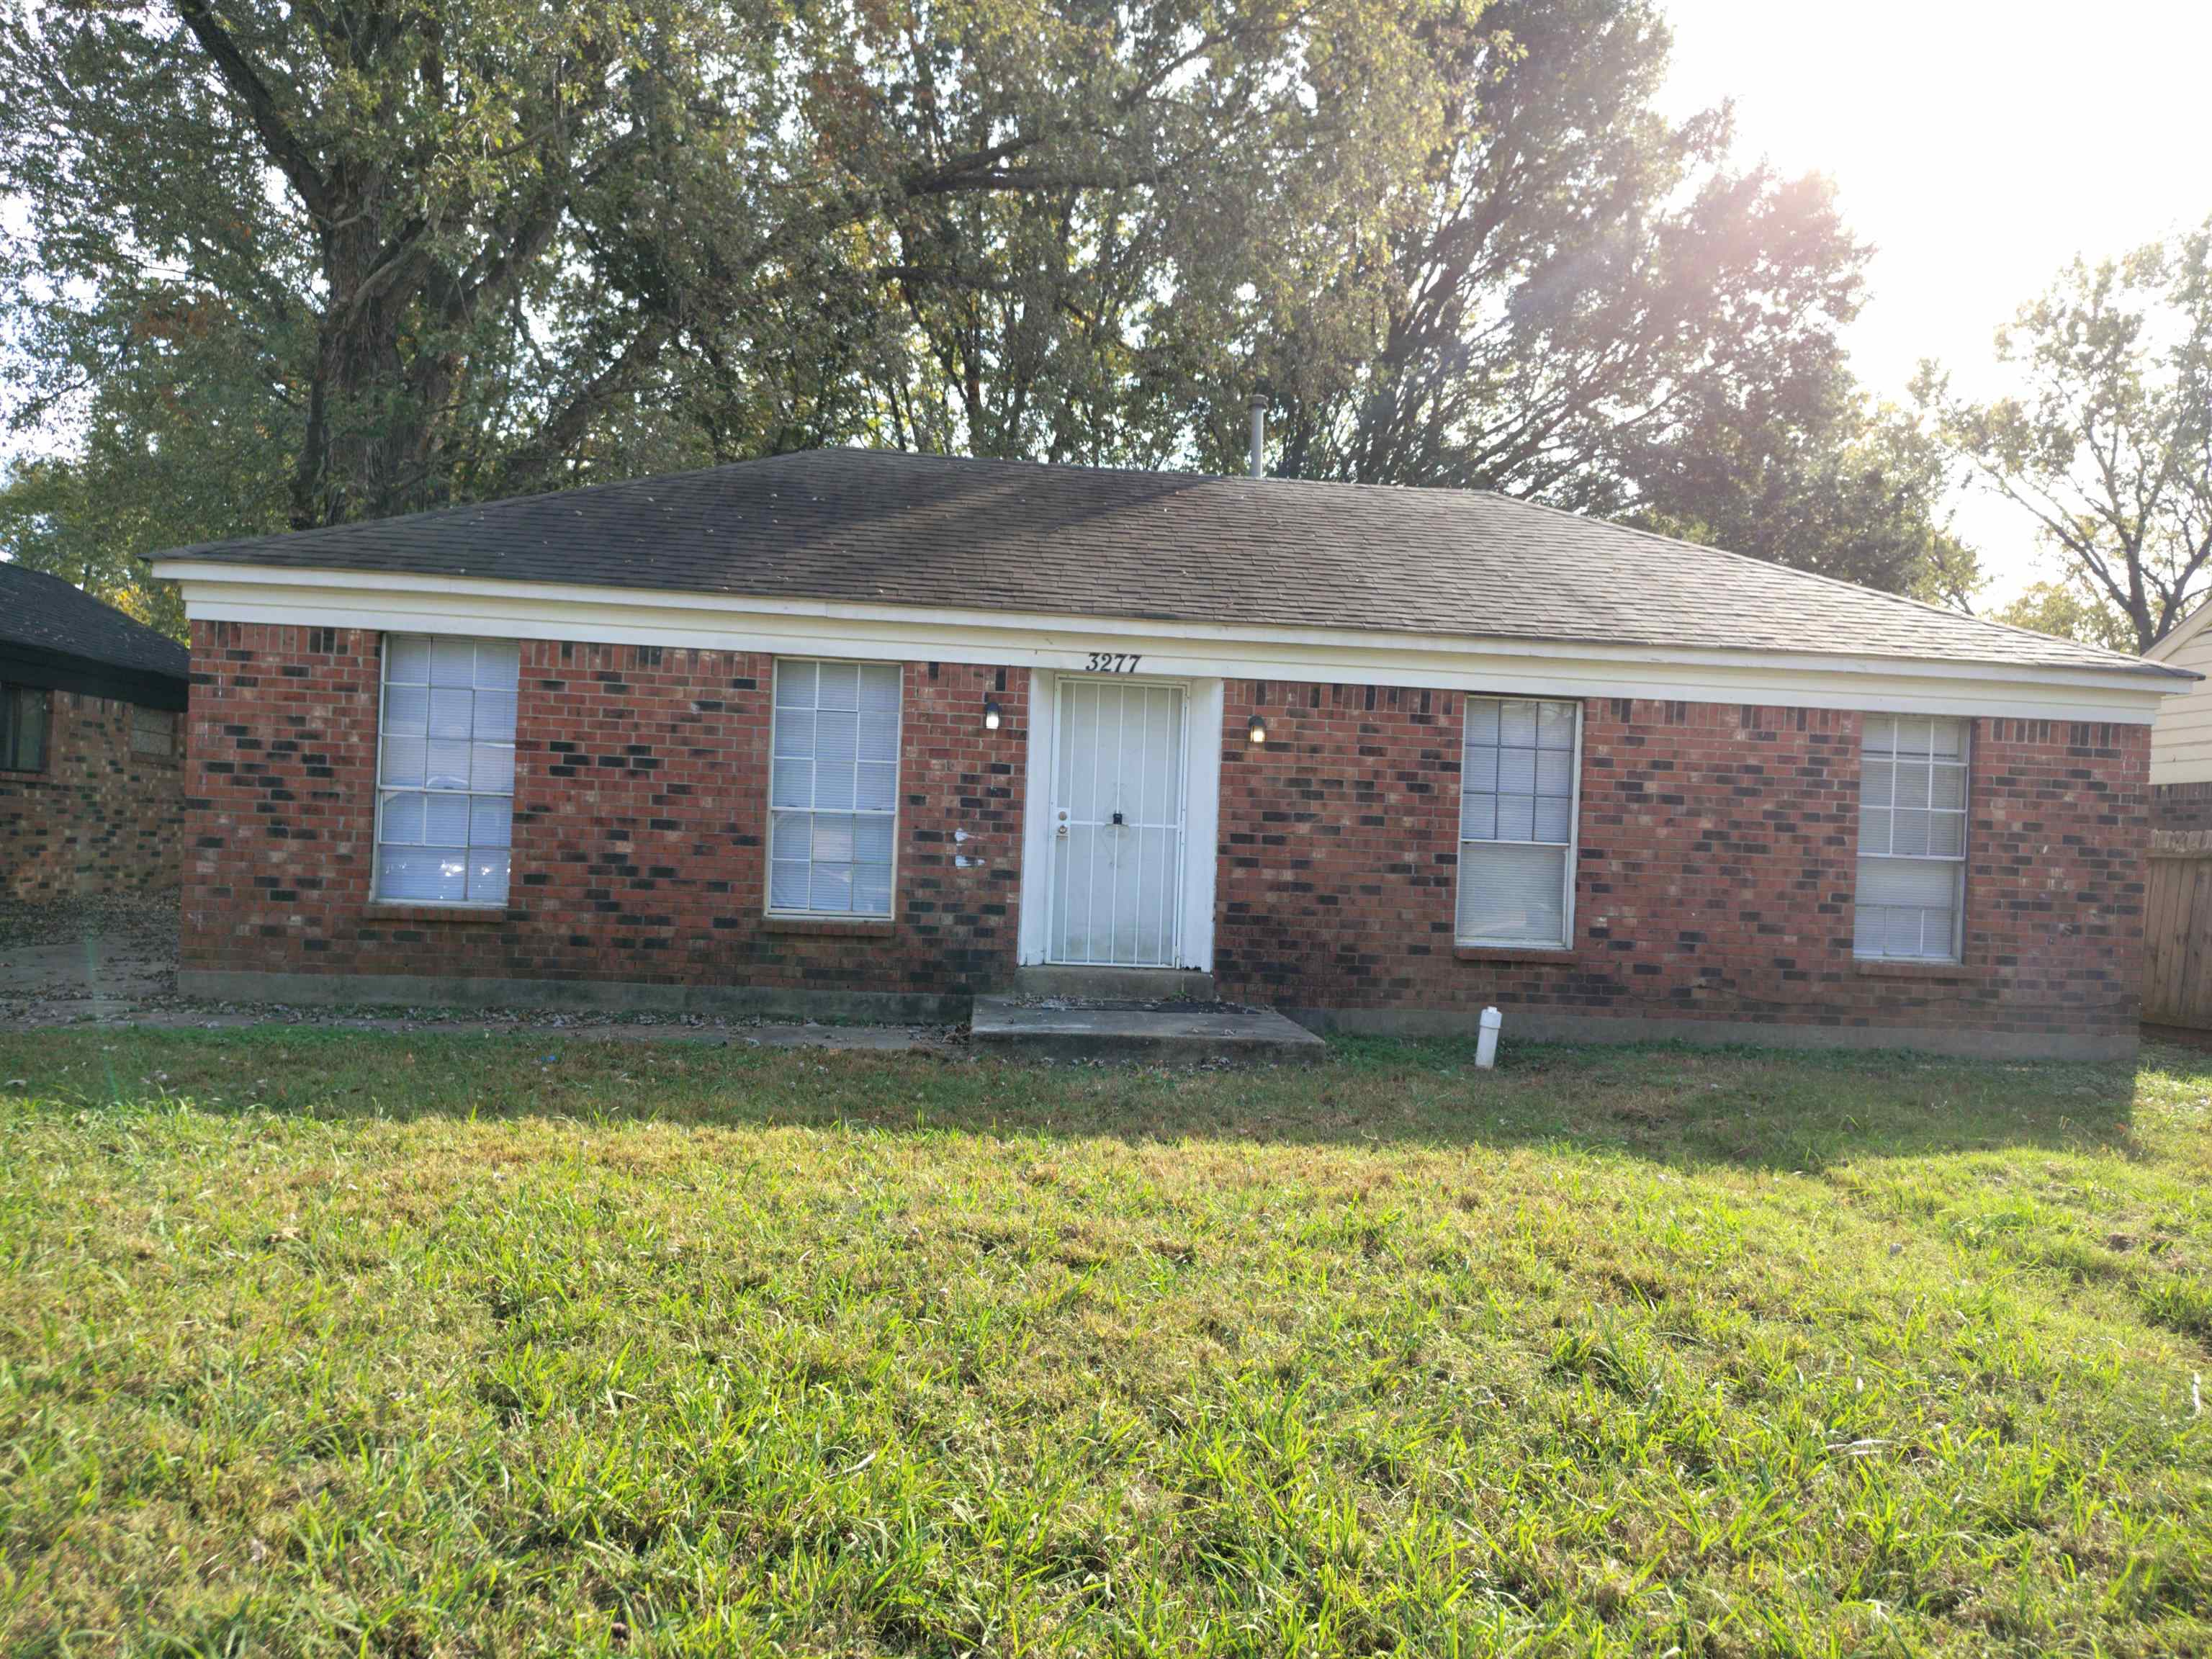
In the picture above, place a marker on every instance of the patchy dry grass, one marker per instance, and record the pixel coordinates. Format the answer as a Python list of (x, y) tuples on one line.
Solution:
[(394, 1345)]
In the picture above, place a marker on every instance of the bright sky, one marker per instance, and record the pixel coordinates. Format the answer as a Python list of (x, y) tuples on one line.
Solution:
[(1979, 144)]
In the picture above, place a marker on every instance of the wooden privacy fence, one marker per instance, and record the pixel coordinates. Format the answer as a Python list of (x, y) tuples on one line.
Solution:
[(2178, 930)]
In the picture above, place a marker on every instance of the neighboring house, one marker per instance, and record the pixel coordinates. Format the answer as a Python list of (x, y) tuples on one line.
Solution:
[(2181, 738), (2178, 907), (91, 711), (864, 732)]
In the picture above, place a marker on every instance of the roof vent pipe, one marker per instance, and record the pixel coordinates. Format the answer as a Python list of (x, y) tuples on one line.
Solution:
[(1259, 436)]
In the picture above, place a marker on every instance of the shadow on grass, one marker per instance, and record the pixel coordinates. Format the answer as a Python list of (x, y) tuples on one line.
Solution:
[(1666, 1103)]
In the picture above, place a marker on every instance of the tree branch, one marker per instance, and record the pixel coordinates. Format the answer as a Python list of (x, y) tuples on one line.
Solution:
[(246, 82)]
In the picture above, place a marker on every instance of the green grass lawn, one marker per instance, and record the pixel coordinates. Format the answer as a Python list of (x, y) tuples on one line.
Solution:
[(412, 1345)]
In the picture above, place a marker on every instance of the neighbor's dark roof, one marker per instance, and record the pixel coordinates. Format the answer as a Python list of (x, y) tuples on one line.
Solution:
[(44, 613), (881, 527)]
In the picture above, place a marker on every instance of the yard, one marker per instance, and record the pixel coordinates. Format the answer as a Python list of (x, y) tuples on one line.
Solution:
[(410, 1344)]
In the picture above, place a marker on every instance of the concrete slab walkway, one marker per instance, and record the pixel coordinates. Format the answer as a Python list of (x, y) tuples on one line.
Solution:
[(1063, 1028)]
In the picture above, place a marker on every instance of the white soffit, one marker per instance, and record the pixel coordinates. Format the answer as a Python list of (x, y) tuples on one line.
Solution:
[(616, 616)]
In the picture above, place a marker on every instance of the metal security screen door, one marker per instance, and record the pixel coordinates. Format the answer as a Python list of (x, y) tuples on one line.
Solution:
[(1117, 824)]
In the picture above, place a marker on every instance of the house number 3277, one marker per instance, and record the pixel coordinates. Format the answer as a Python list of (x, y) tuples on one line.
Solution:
[(1112, 662)]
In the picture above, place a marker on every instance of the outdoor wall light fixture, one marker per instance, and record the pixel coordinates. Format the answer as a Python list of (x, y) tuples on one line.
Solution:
[(990, 714), (1257, 732)]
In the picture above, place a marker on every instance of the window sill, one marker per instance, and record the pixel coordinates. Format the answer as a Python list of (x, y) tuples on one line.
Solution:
[(833, 927), (380, 911), (1905, 968), (1514, 952)]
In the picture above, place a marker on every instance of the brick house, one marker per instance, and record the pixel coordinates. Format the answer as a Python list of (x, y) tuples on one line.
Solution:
[(92, 702), (2181, 738), (870, 734)]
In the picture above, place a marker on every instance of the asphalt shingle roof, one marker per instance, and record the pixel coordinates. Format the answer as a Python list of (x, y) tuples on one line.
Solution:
[(45, 613), (881, 527)]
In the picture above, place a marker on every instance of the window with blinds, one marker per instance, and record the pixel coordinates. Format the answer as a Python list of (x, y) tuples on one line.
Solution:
[(1912, 838), (22, 729), (444, 808), (1516, 824), (833, 788)]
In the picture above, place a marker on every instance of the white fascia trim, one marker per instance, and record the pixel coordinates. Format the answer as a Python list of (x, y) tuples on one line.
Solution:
[(622, 616)]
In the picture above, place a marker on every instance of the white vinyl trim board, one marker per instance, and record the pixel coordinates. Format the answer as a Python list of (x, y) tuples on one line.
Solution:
[(1500, 667)]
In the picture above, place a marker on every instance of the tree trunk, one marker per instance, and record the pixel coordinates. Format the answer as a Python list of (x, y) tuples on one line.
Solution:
[(372, 412)]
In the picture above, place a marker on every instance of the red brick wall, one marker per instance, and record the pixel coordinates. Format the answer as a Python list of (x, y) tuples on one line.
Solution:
[(1718, 846), (2184, 807), (639, 823), (99, 819), (1716, 869)]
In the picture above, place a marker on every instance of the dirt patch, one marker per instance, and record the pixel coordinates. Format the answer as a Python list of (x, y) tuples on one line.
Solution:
[(72, 960), (147, 922), (113, 962)]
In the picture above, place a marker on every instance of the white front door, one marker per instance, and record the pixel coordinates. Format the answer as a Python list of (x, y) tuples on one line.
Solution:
[(1116, 823)]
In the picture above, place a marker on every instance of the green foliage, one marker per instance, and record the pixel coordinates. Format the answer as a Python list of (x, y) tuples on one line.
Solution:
[(480, 245), (1573, 298), (2066, 610), (417, 1344), (2108, 442), (1844, 491), (292, 266)]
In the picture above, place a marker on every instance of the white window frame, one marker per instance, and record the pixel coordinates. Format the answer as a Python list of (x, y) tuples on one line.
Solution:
[(1572, 846), (768, 906), (1965, 767), (383, 792)]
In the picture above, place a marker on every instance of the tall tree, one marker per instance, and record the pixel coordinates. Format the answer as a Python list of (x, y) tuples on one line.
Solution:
[(1572, 297), (325, 264), (471, 247), (2108, 441)]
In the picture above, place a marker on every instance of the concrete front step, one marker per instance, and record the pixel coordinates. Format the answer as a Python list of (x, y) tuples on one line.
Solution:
[(1068, 1028), (1115, 984)]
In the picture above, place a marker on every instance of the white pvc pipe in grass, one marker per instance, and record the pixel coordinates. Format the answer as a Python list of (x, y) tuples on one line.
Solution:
[(1486, 1046)]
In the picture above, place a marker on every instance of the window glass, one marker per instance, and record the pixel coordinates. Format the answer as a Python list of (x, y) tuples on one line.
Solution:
[(833, 787), (446, 770), (23, 712), (1516, 821), (1912, 837)]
